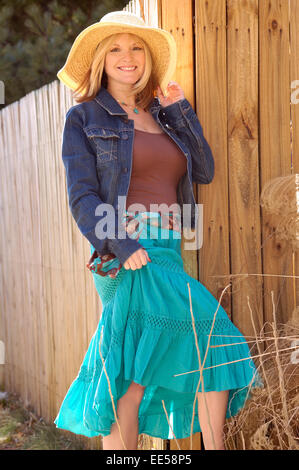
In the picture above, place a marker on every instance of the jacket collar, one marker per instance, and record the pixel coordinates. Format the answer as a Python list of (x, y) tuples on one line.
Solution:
[(106, 100)]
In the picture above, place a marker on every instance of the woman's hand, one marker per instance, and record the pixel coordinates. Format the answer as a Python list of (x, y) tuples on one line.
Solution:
[(138, 259), (174, 93)]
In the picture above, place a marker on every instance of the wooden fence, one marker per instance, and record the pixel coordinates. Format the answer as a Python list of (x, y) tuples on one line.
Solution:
[(237, 63)]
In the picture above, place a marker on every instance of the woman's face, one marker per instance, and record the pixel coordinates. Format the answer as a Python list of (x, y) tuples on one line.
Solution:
[(128, 51)]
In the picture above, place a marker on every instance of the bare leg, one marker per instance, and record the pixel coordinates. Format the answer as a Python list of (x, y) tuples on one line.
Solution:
[(216, 402), (127, 415)]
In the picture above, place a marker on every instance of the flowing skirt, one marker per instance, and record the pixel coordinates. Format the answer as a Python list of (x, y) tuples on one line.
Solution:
[(146, 335)]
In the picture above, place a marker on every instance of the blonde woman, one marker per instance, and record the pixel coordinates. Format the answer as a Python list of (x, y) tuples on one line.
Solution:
[(130, 160)]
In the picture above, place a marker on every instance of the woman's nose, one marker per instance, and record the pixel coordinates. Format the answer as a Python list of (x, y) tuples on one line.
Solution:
[(127, 54)]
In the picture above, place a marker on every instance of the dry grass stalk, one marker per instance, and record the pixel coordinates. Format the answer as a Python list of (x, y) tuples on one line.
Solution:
[(254, 274), (238, 360)]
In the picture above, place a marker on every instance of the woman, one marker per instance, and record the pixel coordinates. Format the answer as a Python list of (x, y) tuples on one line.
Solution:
[(118, 141)]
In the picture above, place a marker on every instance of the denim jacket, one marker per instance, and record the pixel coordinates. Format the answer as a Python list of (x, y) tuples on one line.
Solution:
[(97, 152)]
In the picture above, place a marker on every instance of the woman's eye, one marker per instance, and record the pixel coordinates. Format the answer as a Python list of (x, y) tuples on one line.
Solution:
[(117, 48)]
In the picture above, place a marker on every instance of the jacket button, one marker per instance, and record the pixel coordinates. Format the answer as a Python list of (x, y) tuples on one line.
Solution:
[(125, 170), (125, 136)]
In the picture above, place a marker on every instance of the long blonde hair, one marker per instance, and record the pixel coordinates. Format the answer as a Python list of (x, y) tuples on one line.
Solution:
[(96, 76)]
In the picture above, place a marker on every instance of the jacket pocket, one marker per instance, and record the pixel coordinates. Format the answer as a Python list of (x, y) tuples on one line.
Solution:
[(105, 141)]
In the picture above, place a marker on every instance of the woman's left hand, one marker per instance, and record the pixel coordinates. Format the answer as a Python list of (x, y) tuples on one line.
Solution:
[(174, 93)]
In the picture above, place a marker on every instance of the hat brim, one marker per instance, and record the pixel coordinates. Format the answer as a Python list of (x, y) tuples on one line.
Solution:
[(160, 42)]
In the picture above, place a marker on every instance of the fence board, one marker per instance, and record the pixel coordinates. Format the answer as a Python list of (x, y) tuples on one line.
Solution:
[(243, 163), (275, 147), (294, 78), (211, 108)]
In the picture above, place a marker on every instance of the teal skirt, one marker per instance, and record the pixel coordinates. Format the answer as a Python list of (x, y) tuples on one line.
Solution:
[(146, 335)]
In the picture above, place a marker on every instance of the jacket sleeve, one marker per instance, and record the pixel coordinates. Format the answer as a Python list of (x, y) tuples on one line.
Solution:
[(181, 116), (83, 187)]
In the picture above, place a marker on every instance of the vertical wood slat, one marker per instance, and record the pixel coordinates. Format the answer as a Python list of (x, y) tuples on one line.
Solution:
[(29, 239), (243, 163), (211, 105), (294, 75), (41, 318), (45, 189), (243, 166), (275, 147)]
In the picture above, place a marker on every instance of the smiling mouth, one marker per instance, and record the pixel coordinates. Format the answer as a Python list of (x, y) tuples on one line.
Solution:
[(123, 70)]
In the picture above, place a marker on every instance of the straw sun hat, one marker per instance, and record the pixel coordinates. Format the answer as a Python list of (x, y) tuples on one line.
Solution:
[(160, 42)]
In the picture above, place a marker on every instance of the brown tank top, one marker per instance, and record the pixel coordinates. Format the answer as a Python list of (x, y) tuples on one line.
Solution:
[(158, 165)]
